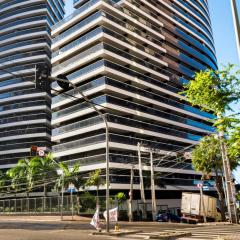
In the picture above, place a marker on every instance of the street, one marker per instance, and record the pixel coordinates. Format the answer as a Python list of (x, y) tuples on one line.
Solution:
[(41, 228)]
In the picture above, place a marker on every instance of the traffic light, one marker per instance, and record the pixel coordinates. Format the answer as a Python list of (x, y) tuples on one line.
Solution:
[(41, 77), (64, 85), (33, 151)]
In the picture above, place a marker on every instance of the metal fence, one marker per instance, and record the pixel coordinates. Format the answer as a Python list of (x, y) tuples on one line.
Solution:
[(84, 205), (77, 204)]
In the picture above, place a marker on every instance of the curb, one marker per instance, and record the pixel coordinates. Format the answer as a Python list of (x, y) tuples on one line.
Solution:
[(116, 234), (170, 236), (215, 224)]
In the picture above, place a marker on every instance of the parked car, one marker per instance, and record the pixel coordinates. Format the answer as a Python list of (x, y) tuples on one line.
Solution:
[(167, 217)]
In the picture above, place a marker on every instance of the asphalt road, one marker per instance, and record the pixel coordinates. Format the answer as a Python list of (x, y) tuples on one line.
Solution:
[(14, 228)]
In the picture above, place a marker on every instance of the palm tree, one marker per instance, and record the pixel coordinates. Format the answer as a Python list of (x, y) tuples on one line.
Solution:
[(21, 176), (43, 169), (70, 175), (121, 198), (4, 182), (95, 179)]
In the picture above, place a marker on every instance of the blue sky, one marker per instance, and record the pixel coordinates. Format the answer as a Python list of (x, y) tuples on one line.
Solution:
[(222, 24)]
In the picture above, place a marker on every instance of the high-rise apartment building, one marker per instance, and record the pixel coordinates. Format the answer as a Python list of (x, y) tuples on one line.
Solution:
[(25, 40), (131, 58)]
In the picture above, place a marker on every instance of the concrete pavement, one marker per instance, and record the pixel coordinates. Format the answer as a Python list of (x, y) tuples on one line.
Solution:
[(51, 228)]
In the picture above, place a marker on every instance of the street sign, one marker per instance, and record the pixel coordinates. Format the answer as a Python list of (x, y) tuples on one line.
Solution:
[(41, 153), (199, 185), (205, 188), (71, 188)]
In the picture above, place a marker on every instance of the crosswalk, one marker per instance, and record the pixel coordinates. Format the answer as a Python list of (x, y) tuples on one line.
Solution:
[(198, 233), (213, 232)]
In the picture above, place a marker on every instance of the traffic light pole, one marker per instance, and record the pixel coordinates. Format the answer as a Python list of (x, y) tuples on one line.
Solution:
[(236, 24), (52, 79), (154, 204), (231, 199)]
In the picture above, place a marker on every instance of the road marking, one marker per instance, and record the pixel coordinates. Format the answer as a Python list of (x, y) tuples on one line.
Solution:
[(198, 233)]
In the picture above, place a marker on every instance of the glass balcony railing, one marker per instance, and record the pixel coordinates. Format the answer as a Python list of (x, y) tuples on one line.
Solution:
[(96, 159), (27, 20), (113, 138), (77, 57), (16, 106), (78, 26), (21, 32), (125, 159), (28, 117), (210, 42), (79, 143), (79, 41), (10, 82), (15, 145), (23, 44), (21, 56), (85, 70), (197, 54), (136, 107), (18, 93), (21, 10), (77, 126), (77, 108), (86, 87), (24, 132), (196, 43), (203, 28), (158, 113), (75, 13), (204, 17), (18, 68), (126, 122)]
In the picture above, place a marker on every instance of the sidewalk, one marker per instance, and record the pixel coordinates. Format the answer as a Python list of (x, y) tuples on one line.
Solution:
[(43, 218)]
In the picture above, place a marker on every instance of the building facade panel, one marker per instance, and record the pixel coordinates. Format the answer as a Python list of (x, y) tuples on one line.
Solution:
[(131, 59), (25, 40)]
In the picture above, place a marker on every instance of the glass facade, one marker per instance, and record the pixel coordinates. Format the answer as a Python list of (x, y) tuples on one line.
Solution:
[(25, 40), (131, 58)]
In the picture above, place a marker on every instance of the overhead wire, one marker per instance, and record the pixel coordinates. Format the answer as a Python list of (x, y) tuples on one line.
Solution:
[(91, 102)]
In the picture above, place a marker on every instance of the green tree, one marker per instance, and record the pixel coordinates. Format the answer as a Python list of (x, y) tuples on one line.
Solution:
[(121, 198), (5, 182), (95, 179), (207, 158), (44, 170), (71, 176), (234, 143), (215, 91), (21, 177)]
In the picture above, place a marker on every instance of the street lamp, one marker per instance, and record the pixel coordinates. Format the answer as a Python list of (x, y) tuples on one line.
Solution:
[(236, 24), (41, 78)]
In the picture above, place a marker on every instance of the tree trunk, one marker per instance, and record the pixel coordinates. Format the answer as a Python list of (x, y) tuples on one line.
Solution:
[(28, 208), (44, 196), (221, 196), (97, 200)]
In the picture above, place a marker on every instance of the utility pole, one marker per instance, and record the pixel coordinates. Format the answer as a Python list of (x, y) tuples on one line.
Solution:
[(62, 196), (202, 203), (144, 212), (131, 195), (154, 205), (231, 200), (236, 24), (42, 76)]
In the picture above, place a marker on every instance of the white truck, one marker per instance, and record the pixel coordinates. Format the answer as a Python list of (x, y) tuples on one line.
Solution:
[(192, 211)]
